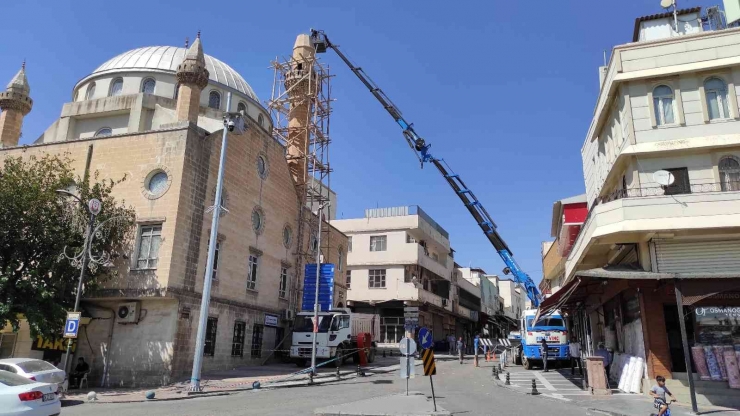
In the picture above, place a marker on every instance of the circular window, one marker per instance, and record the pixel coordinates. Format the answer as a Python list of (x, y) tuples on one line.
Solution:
[(157, 183), (262, 165), (258, 220), (287, 236)]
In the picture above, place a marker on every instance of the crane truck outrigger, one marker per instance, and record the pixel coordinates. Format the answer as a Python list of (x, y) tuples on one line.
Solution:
[(530, 333)]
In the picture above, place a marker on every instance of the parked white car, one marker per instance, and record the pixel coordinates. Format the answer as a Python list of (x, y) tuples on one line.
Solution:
[(31, 368), (23, 397)]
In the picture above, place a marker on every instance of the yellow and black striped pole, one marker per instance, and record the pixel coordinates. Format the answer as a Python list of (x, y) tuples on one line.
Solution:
[(430, 369)]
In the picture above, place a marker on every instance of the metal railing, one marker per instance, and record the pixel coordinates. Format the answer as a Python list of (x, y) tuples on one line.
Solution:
[(676, 189)]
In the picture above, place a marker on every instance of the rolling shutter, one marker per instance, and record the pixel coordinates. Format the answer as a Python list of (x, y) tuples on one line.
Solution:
[(698, 256)]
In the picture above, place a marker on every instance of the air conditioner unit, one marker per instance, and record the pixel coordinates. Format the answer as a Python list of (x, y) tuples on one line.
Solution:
[(288, 315), (128, 313)]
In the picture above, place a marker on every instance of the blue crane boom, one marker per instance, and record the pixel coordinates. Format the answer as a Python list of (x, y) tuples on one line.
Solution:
[(321, 43)]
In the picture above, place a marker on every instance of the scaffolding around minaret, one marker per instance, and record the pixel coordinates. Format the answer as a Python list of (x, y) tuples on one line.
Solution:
[(300, 106)]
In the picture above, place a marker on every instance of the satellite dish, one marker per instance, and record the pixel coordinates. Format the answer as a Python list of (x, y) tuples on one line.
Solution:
[(663, 178), (666, 3)]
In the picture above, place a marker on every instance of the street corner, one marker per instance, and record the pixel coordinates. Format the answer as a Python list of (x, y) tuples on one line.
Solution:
[(413, 404)]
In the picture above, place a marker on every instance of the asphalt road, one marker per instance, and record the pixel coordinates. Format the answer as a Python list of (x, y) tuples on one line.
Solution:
[(461, 389)]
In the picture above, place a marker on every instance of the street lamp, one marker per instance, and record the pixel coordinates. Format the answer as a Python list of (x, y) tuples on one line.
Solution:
[(233, 122), (94, 206), (316, 295)]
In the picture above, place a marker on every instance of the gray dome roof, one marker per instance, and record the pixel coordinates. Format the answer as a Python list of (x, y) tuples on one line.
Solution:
[(167, 58)]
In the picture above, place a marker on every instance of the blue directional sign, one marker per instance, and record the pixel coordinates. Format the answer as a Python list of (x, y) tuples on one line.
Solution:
[(425, 338), (72, 325), (326, 287)]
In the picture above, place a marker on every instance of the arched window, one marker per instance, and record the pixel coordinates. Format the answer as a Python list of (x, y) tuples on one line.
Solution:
[(261, 120), (729, 173), (663, 103), (214, 100), (104, 132), (116, 87), (177, 90), (716, 92), (241, 108), (90, 93), (147, 87)]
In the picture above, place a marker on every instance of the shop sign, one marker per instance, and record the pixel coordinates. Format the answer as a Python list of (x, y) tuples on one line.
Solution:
[(729, 312), (52, 344)]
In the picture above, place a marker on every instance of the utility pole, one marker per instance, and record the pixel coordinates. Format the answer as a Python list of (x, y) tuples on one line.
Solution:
[(318, 280), (207, 279)]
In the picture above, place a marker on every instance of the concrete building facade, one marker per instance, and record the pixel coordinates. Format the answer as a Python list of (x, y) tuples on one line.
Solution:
[(154, 115)]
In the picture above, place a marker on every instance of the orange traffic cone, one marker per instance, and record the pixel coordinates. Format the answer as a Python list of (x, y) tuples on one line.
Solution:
[(488, 356)]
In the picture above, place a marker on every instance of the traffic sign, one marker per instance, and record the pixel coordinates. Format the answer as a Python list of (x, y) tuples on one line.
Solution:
[(407, 346), (427, 356), (408, 369), (72, 325), (425, 338), (94, 205)]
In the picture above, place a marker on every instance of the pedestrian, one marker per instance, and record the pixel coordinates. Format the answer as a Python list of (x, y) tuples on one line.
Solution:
[(476, 345), (574, 349), (81, 369), (658, 393), (602, 352), (460, 349), (543, 352), (451, 341)]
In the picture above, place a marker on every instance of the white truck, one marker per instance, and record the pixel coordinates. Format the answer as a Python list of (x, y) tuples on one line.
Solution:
[(337, 336)]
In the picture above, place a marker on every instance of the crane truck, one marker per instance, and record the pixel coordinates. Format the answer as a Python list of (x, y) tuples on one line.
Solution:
[(530, 333)]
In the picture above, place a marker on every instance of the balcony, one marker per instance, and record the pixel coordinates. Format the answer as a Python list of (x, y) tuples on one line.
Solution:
[(432, 299), (553, 263), (636, 215), (399, 254)]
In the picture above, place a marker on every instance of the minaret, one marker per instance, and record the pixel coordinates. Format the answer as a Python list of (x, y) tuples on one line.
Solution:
[(298, 85), (193, 77), (15, 103)]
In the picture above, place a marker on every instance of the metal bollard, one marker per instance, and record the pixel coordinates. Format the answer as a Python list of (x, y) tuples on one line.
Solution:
[(508, 382), (358, 370), (534, 388), (310, 377), (499, 367), (338, 376), (494, 371)]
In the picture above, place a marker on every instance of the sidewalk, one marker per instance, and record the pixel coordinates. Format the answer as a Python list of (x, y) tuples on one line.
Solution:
[(237, 380)]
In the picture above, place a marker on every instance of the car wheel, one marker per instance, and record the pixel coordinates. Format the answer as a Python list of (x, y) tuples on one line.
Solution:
[(527, 364)]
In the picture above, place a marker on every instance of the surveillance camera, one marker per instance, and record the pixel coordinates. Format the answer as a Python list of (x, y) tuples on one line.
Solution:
[(231, 125)]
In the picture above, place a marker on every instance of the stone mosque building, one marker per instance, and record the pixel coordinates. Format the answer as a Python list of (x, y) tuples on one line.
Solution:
[(155, 114)]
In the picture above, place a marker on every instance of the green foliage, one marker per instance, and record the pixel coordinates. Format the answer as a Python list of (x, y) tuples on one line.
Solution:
[(38, 225)]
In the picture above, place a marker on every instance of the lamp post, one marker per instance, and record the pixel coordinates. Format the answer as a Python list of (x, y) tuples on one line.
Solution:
[(316, 295), (233, 122), (94, 206)]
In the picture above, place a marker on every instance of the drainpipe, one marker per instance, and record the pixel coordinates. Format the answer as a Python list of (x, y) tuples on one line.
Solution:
[(106, 357)]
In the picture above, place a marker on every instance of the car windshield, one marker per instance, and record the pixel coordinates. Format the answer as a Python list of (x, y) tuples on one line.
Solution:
[(9, 379), (304, 323), (35, 366), (549, 321)]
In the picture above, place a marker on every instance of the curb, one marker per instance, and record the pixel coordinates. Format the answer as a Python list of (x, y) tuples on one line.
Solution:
[(166, 399), (605, 412)]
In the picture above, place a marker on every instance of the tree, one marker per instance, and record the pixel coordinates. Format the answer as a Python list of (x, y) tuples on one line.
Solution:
[(38, 225)]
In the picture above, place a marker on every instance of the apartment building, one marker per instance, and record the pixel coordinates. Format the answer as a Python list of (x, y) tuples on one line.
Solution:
[(400, 257), (661, 165), (514, 299)]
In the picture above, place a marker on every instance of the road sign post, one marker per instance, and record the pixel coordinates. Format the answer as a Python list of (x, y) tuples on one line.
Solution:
[(407, 346), (430, 369), (425, 338)]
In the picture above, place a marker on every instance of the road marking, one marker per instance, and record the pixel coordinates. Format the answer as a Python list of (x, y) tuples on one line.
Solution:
[(545, 382)]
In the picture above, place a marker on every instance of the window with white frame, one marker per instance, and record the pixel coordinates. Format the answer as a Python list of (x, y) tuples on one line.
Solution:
[(147, 87), (252, 272), (283, 290), (376, 278), (410, 238), (391, 329), (349, 279), (378, 243), (150, 239), (116, 87), (349, 244), (104, 132), (663, 104), (729, 173), (90, 93), (716, 94)]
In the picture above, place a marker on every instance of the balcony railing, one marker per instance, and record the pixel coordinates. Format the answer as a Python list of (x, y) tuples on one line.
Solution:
[(676, 189)]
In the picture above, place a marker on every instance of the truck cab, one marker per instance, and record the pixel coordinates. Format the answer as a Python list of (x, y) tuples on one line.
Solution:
[(552, 328), (336, 336)]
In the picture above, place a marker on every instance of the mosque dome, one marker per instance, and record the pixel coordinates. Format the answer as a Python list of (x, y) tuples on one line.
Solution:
[(166, 59)]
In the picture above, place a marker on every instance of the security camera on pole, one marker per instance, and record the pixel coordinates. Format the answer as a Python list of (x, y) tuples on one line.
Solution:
[(233, 122)]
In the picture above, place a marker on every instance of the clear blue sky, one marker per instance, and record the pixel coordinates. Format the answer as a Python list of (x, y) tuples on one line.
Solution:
[(504, 90)]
